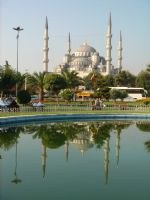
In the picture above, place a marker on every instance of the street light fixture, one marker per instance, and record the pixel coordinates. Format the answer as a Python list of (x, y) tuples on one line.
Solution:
[(18, 29)]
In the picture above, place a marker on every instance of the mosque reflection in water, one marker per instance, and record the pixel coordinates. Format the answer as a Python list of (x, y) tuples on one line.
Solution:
[(84, 135)]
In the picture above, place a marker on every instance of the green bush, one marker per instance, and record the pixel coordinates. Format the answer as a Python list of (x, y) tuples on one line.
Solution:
[(146, 102), (66, 94), (23, 97)]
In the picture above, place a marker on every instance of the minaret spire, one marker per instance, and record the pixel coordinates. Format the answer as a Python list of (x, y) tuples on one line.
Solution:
[(46, 49), (119, 63), (108, 47), (69, 44)]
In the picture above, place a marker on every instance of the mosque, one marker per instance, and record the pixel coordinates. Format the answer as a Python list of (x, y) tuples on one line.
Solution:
[(86, 59)]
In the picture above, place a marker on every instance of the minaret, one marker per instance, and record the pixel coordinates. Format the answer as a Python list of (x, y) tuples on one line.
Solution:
[(46, 49), (119, 64), (106, 159), (69, 44), (108, 47)]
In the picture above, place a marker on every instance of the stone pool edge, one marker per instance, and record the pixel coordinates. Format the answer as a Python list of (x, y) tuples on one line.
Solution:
[(64, 117)]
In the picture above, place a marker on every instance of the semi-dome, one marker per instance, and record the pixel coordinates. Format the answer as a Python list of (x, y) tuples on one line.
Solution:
[(85, 50)]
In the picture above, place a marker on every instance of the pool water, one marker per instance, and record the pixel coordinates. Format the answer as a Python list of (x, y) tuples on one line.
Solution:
[(75, 160)]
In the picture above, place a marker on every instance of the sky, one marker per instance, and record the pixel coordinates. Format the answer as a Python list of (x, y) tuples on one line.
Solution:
[(86, 20)]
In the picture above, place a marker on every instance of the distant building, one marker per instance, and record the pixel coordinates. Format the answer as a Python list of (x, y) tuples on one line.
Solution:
[(86, 59)]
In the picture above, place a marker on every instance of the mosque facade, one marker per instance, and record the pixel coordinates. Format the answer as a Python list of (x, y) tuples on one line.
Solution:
[(86, 59)]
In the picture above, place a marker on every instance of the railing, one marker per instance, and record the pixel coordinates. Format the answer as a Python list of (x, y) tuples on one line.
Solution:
[(79, 107)]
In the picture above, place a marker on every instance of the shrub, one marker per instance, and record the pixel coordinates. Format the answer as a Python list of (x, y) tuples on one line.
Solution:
[(146, 102), (23, 97), (66, 94)]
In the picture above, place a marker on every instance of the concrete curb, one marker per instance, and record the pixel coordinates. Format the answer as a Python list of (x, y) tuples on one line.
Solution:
[(50, 118)]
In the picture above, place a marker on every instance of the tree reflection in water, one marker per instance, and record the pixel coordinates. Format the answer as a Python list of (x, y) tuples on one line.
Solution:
[(83, 135), (100, 131), (53, 136), (8, 138), (145, 127)]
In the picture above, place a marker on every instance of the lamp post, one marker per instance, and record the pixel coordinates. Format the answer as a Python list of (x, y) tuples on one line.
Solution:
[(18, 29), (26, 74)]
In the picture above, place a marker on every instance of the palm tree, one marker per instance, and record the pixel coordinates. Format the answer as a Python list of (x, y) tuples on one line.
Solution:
[(54, 83), (148, 68), (72, 79), (37, 81)]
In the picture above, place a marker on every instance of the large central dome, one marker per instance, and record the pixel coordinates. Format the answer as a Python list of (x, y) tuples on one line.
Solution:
[(85, 50)]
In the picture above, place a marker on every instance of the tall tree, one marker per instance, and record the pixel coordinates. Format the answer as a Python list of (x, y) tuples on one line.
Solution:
[(109, 80), (102, 89), (96, 79), (72, 79), (148, 68), (54, 83), (124, 78), (8, 79), (37, 82), (114, 94), (143, 80)]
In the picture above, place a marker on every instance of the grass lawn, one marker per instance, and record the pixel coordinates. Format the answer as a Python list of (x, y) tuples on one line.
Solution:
[(8, 114)]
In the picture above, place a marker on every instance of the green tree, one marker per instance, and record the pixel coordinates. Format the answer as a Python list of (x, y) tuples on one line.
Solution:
[(143, 80), (55, 83), (115, 94), (72, 79), (23, 97), (97, 80), (123, 94), (66, 94), (88, 81), (109, 80), (102, 89), (8, 80), (37, 82), (102, 93), (124, 78), (148, 68)]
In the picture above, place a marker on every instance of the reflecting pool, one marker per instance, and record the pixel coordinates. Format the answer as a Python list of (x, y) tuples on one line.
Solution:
[(76, 160)]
